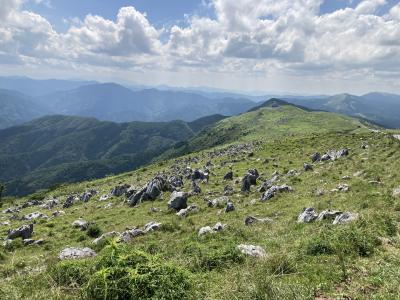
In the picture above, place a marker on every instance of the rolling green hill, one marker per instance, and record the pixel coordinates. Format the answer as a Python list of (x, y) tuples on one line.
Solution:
[(358, 259), (271, 120), (59, 149)]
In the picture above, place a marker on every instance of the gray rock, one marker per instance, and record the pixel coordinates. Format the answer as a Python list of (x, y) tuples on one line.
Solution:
[(268, 184), (315, 157), (34, 216), (128, 235), (251, 250), (178, 201), (152, 226), (272, 191), (70, 201), (228, 190), (229, 207), (76, 253), (205, 230), (250, 220), (58, 213), (345, 218), (308, 215), (81, 224), (307, 167), (219, 202), (24, 232), (328, 215), (50, 204), (186, 211), (120, 190)]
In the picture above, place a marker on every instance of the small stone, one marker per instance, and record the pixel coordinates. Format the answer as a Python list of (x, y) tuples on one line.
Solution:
[(251, 250)]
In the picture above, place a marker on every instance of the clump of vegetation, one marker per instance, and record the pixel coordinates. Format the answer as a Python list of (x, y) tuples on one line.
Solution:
[(120, 273), (210, 257), (94, 231), (354, 239)]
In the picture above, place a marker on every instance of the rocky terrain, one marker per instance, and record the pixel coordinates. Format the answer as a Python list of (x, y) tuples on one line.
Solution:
[(311, 215)]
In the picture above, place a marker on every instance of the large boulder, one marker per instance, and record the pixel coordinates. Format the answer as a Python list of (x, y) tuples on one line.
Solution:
[(178, 201), (308, 215), (24, 232), (151, 191), (251, 250), (76, 253)]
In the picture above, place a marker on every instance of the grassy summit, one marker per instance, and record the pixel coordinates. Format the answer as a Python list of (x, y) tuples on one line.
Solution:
[(317, 260)]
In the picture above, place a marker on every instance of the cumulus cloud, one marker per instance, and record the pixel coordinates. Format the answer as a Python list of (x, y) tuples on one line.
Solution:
[(244, 36)]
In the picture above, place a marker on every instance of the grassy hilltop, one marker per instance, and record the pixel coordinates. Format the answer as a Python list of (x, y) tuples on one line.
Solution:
[(317, 260)]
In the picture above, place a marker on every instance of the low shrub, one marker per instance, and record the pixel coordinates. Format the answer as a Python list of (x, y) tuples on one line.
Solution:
[(94, 231), (120, 273)]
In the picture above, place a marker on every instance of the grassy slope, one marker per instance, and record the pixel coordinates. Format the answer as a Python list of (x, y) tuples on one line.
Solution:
[(267, 122), (289, 271)]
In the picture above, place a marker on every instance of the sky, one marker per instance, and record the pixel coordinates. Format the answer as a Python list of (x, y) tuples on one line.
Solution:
[(286, 46)]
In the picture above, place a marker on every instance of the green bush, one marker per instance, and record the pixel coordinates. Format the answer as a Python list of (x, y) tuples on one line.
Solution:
[(94, 231), (71, 272), (119, 273)]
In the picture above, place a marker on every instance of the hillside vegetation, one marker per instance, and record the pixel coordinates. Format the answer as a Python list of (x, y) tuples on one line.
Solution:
[(318, 260), (60, 149)]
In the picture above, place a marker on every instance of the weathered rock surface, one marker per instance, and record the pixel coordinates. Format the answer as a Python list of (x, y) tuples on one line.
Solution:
[(76, 253), (251, 250), (178, 201), (186, 211), (272, 191), (345, 218), (24, 232), (308, 215)]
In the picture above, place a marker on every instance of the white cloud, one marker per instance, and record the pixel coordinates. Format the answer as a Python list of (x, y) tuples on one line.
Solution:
[(246, 38)]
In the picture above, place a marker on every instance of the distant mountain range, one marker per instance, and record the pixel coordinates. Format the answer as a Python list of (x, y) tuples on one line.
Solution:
[(16, 108), (381, 108), (113, 102), (24, 99), (58, 149)]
